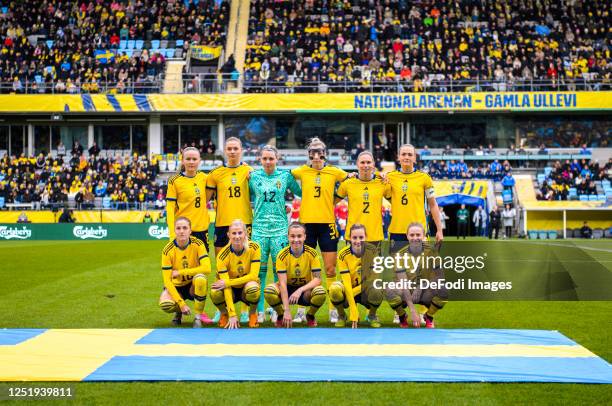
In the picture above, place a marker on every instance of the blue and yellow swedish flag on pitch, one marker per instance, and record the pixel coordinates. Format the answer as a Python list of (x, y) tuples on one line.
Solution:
[(481, 355)]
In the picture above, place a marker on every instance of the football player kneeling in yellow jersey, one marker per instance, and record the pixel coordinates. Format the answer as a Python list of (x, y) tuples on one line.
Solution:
[(237, 276), (185, 266), (299, 279), (349, 291)]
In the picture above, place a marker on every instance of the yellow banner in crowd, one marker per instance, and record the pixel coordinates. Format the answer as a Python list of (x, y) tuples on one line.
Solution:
[(205, 52), (325, 102)]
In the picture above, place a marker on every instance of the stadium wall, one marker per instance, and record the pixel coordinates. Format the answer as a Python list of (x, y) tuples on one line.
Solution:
[(160, 123)]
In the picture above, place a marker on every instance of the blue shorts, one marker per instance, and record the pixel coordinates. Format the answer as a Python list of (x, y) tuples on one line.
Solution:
[(184, 291), (221, 238), (302, 300), (325, 234), (201, 235), (397, 237)]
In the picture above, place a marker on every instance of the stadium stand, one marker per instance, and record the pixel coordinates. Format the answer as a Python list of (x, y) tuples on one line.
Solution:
[(47, 182), (575, 180), (376, 45), (103, 46)]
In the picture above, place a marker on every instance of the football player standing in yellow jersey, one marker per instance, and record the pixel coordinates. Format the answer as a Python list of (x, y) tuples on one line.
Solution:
[(187, 196), (349, 291), (237, 277), (230, 184), (185, 267), (365, 195), (319, 181), (410, 189), (299, 279)]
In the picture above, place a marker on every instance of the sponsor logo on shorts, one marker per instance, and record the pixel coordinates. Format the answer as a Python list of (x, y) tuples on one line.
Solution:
[(158, 232), (10, 233), (90, 232)]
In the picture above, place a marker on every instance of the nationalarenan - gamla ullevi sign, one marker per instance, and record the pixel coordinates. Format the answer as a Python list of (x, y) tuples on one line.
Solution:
[(9, 233), (90, 232)]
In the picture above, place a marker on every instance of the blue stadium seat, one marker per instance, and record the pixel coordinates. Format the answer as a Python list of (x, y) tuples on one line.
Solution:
[(547, 171), (592, 198), (49, 43), (130, 44), (123, 44), (170, 53), (601, 197), (38, 79), (543, 235), (584, 198), (4, 10), (573, 193), (129, 52), (155, 44), (139, 44), (552, 235), (533, 234), (106, 202), (179, 43), (1, 202), (541, 178), (606, 184)]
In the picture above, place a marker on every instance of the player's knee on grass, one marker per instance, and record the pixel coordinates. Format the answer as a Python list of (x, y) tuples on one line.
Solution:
[(251, 293), (375, 298), (336, 293), (200, 287), (396, 303), (272, 295), (317, 296), (168, 306), (217, 297)]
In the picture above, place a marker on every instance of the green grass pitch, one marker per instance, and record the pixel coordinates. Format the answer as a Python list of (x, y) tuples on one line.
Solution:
[(108, 284)]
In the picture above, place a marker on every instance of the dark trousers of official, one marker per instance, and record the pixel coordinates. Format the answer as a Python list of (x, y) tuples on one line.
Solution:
[(496, 229), (461, 230), (508, 231)]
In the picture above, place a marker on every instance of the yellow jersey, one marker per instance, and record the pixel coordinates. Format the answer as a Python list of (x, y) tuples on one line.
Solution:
[(232, 190), (318, 192), (239, 268), (365, 203), (189, 261), (349, 267), (186, 197), (409, 194), (298, 269)]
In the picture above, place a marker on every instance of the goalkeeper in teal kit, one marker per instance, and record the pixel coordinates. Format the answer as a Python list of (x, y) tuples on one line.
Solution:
[(270, 220)]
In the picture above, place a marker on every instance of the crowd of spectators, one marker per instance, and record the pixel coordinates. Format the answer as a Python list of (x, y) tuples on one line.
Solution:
[(50, 182), (415, 46), (52, 46), (564, 132), (458, 169), (579, 175)]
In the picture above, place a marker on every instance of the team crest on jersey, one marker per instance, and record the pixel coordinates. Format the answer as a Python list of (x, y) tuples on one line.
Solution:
[(298, 272), (405, 187), (366, 196), (234, 179), (196, 189), (185, 263), (278, 184), (318, 179), (240, 268)]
